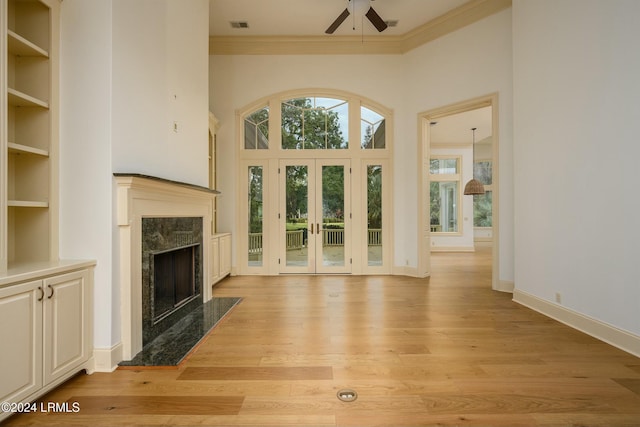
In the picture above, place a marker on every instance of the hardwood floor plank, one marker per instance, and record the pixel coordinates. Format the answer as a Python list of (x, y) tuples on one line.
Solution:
[(632, 384), (587, 420), (271, 373), (377, 388), (512, 404), (159, 405), (554, 370), (424, 420), (330, 404), (330, 359)]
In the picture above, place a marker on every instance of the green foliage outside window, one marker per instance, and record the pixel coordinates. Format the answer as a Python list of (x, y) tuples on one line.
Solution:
[(314, 123)]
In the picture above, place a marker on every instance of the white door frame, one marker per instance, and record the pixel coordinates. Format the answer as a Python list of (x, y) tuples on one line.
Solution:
[(424, 147)]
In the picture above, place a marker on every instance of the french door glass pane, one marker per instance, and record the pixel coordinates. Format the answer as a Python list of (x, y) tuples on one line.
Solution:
[(255, 215), (333, 216), (297, 213), (444, 206), (374, 214)]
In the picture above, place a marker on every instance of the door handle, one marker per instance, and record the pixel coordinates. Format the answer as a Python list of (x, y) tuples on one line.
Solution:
[(318, 228), (311, 228), (52, 291), (41, 293)]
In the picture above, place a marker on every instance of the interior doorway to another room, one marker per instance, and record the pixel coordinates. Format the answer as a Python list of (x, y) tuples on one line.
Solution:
[(459, 142)]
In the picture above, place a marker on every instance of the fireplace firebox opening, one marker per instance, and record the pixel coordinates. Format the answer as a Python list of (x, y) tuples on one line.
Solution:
[(174, 280)]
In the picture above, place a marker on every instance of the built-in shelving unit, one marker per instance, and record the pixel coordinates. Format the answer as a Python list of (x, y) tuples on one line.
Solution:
[(47, 302), (28, 141)]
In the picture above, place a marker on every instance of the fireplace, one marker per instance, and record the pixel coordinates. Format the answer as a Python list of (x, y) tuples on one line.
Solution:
[(143, 198), (173, 280), (171, 272)]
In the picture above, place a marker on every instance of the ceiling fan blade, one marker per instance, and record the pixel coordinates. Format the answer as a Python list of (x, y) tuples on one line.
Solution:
[(339, 20), (376, 20)]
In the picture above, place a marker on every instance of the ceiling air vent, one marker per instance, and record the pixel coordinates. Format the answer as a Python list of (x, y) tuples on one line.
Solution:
[(392, 23), (239, 24)]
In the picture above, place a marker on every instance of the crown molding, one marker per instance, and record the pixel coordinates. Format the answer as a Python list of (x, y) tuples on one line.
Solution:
[(451, 21)]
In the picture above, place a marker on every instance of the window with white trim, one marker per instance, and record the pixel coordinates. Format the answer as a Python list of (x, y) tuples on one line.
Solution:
[(444, 173), (315, 123)]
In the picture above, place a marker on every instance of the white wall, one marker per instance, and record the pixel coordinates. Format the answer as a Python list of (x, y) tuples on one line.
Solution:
[(576, 110), (85, 150), (471, 62), (122, 63), (160, 76)]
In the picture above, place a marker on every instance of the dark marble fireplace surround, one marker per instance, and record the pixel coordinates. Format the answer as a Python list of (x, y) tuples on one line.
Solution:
[(160, 235)]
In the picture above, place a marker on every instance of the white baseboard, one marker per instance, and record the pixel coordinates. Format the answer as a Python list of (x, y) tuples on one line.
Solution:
[(400, 270), (107, 359), (505, 286), (610, 334)]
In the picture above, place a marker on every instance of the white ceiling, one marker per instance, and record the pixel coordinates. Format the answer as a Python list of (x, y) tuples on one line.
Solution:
[(456, 128), (312, 17)]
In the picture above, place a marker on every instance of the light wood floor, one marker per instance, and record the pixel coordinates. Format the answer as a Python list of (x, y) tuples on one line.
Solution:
[(440, 351)]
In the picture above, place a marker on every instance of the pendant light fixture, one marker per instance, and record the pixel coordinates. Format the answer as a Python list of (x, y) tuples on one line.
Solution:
[(474, 186)]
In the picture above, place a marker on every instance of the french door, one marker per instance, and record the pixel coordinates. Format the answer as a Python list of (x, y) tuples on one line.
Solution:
[(315, 216)]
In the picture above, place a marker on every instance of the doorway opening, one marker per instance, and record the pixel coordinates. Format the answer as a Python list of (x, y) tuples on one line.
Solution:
[(449, 220)]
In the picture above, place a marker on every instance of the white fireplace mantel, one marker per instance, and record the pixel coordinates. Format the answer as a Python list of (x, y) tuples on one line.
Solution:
[(141, 196)]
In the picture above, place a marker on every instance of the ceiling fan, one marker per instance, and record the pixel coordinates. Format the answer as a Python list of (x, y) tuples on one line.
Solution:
[(352, 7)]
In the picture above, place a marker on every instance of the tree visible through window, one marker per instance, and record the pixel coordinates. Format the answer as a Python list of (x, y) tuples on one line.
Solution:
[(372, 129), (255, 204), (315, 123), (482, 204)]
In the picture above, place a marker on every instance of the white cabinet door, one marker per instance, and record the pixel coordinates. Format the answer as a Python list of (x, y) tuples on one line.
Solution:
[(67, 325), (214, 263), (21, 338), (225, 254)]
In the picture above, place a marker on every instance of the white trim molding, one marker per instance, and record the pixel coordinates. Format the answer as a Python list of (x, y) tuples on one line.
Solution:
[(459, 17), (505, 286), (400, 270), (619, 338), (107, 359), (140, 196)]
